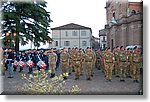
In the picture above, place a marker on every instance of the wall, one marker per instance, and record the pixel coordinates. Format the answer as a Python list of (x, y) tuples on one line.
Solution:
[(128, 31), (60, 36)]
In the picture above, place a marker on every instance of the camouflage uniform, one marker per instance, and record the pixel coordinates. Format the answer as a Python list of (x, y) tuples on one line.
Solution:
[(102, 61), (82, 63), (116, 62), (103, 64), (130, 64), (108, 59), (52, 62), (64, 61), (73, 52), (93, 61), (77, 64), (88, 59), (70, 61), (137, 58), (122, 65), (98, 60)]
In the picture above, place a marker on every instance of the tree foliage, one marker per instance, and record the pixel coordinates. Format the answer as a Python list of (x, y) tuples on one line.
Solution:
[(29, 20)]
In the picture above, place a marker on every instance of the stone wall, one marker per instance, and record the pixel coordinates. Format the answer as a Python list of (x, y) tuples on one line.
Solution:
[(128, 31)]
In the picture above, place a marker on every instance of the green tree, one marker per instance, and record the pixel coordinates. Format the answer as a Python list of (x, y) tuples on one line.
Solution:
[(29, 20)]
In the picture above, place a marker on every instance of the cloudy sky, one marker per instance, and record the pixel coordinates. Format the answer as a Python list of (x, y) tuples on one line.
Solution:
[(90, 13)]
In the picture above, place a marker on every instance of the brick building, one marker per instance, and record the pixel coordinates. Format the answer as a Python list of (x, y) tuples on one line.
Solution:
[(124, 23)]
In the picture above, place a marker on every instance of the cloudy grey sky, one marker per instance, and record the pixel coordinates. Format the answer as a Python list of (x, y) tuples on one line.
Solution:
[(90, 13)]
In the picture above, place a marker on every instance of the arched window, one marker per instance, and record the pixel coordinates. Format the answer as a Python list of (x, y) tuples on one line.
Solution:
[(133, 12), (114, 14)]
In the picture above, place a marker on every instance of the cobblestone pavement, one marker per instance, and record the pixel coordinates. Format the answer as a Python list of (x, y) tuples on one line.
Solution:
[(98, 85)]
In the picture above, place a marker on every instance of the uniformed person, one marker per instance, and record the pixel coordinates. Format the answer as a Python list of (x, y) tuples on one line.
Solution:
[(52, 62), (64, 62), (123, 63), (58, 52), (98, 61), (130, 63), (73, 52), (101, 61), (137, 58), (21, 58), (70, 61), (29, 57), (77, 63), (108, 60), (10, 61), (93, 61), (46, 60), (88, 60), (82, 59), (103, 58), (116, 52)]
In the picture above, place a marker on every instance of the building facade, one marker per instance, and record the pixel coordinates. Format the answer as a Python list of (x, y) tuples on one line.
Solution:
[(71, 35), (124, 23), (95, 43), (102, 39)]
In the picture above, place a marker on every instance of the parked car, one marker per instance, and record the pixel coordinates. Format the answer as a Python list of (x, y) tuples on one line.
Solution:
[(131, 47)]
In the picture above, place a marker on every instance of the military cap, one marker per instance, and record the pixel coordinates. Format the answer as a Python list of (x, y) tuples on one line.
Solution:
[(117, 46), (128, 48), (76, 48), (135, 47), (121, 47)]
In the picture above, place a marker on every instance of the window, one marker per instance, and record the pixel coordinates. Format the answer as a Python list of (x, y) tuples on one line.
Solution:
[(83, 33), (66, 43), (114, 14), (103, 38), (74, 33), (66, 33), (133, 12), (56, 43), (104, 46), (83, 43)]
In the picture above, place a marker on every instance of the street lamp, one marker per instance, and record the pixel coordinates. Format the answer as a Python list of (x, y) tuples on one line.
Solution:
[(11, 35)]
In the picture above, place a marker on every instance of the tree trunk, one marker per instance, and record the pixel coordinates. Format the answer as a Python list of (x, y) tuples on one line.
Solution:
[(17, 42)]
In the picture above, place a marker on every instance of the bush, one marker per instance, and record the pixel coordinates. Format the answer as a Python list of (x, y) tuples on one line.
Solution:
[(39, 83)]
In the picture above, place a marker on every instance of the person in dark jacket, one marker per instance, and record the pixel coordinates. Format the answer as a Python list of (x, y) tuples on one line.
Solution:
[(10, 61), (29, 56), (34, 53), (38, 57), (21, 57), (46, 59), (15, 58)]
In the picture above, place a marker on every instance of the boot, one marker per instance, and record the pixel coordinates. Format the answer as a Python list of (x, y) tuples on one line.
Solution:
[(15, 69), (52, 75), (65, 78)]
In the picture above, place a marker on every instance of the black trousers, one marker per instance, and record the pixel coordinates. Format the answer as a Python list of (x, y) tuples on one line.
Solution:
[(30, 70)]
